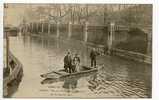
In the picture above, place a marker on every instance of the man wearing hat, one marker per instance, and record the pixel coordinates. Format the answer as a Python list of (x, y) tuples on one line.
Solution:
[(68, 62)]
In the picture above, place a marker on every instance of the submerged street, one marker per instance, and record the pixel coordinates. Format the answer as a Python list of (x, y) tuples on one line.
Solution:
[(118, 78)]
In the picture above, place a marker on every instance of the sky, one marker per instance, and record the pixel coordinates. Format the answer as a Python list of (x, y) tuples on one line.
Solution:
[(13, 15)]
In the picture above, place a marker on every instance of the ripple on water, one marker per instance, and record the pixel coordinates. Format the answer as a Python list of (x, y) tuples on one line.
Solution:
[(118, 78)]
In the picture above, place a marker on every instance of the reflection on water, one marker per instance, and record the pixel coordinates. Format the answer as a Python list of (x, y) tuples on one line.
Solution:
[(70, 83), (118, 78), (13, 86)]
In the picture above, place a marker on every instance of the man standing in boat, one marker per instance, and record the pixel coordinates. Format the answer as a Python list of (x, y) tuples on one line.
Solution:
[(93, 55), (68, 62)]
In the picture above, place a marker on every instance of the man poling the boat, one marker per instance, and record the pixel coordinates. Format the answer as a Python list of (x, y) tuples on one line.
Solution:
[(93, 55)]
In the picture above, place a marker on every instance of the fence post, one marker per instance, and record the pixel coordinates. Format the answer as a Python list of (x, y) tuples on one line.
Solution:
[(110, 37), (48, 29), (69, 30), (42, 26), (32, 27), (58, 33), (26, 28), (149, 45), (86, 32), (37, 26)]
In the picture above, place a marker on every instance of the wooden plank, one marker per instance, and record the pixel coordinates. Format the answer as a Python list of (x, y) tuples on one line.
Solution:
[(55, 76), (62, 73), (72, 74), (49, 74), (82, 72), (86, 67), (57, 72), (43, 75)]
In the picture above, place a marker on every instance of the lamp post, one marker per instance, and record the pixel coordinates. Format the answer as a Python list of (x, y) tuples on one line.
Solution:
[(69, 30), (86, 31), (58, 33), (110, 38)]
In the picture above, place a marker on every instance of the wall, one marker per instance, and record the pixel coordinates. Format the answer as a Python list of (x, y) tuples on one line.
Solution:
[(128, 39)]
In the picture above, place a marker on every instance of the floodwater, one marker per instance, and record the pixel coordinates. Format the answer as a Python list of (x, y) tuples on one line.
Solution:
[(118, 78)]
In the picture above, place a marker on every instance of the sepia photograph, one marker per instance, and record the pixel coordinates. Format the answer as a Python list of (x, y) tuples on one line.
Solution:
[(77, 50)]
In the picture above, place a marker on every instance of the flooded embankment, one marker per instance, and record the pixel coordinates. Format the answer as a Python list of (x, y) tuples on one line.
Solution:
[(118, 78)]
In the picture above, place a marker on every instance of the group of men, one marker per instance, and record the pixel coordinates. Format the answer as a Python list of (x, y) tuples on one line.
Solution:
[(72, 64)]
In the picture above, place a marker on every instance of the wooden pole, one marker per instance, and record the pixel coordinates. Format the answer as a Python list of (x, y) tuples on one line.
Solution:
[(69, 30), (32, 27), (42, 28), (149, 45), (110, 37), (37, 26), (58, 33), (7, 50), (48, 29), (86, 32)]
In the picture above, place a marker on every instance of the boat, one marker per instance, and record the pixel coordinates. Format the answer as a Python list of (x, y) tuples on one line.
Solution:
[(62, 73)]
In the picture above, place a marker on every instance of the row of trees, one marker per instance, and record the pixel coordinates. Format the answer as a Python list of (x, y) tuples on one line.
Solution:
[(94, 13)]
